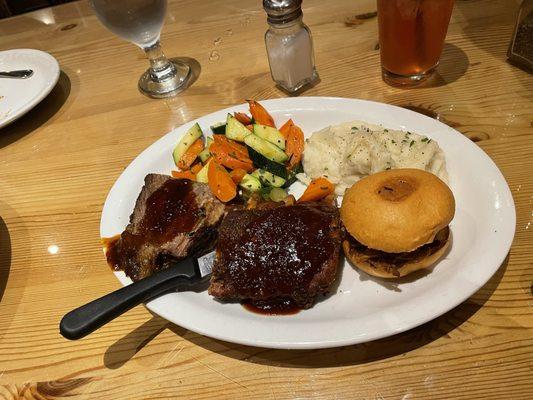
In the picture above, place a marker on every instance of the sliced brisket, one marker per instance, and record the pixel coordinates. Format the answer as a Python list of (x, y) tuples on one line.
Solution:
[(172, 219)]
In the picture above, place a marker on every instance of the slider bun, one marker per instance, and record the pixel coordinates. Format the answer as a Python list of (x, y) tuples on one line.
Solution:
[(397, 210), (383, 269)]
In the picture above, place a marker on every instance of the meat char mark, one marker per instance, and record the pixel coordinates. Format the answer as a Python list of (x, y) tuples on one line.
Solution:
[(172, 219), (268, 255)]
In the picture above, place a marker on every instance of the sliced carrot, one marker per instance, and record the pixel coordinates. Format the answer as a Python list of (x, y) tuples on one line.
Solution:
[(220, 182), (317, 190), (240, 150), (250, 127), (184, 175), (232, 163), (226, 156), (260, 114), (294, 146), (242, 118), (196, 167), (190, 155), (237, 174), (286, 128)]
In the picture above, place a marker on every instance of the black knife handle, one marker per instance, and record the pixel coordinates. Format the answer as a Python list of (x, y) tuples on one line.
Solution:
[(86, 319)]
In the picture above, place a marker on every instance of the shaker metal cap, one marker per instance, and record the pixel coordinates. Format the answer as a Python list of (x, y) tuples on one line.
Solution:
[(282, 11)]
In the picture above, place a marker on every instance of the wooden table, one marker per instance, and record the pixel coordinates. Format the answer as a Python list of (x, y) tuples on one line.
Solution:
[(59, 161)]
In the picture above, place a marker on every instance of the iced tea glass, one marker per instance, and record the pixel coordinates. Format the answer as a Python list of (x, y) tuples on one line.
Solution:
[(411, 38)]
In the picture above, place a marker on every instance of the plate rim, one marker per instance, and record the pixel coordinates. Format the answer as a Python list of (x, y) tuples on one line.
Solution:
[(412, 322), (41, 95)]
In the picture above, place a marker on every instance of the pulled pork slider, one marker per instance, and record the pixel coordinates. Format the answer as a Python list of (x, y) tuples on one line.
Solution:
[(397, 222)]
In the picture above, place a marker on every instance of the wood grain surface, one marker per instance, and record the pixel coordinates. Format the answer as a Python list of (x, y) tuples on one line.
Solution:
[(59, 161)]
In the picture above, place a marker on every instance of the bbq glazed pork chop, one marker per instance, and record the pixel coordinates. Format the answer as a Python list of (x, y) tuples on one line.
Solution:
[(272, 255), (172, 219)]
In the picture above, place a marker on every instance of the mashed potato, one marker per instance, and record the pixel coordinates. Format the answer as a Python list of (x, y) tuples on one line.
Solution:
[(347, 152)]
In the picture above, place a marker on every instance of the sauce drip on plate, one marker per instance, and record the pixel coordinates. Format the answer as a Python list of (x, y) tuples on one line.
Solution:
[(279, 307), (111, 250)]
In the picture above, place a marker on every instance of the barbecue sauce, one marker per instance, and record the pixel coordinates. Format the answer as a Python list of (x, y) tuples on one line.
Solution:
[(278, 307), (169, 211), (111, 251), (276, 253)]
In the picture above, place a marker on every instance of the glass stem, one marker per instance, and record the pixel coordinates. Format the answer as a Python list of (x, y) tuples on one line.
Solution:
[(160, 67)]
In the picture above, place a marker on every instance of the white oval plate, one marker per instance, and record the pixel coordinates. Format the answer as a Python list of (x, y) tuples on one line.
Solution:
[(18, 96), (362, 308)]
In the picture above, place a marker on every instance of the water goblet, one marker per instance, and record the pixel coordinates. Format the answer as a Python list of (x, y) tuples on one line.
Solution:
[(140, 22)]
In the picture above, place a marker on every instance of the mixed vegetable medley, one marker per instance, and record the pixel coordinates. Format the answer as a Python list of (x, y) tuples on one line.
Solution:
[(247, 155)]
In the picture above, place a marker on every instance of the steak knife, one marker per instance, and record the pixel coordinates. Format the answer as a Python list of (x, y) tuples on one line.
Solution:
[(186, 274)]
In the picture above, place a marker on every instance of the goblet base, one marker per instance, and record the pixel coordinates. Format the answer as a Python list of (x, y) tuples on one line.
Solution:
[(152, 85)]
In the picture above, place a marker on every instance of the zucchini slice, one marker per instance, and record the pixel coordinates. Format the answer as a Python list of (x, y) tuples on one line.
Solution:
[(265, 192), (277, 194), (205, 154), (219, 128), (249, 183), (201, 176), (268, 179), (270, 134), (194, 133), (235, 130), (267, 149), (260, 161)]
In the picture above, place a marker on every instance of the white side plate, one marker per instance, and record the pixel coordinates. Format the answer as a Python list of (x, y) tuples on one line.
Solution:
[(18, 96), (363, 308)]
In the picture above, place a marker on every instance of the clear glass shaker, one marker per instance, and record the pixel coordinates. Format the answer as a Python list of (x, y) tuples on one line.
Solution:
[(289, 45)]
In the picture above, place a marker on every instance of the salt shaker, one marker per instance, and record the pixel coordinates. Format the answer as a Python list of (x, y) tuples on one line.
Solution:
[(289, 45)]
